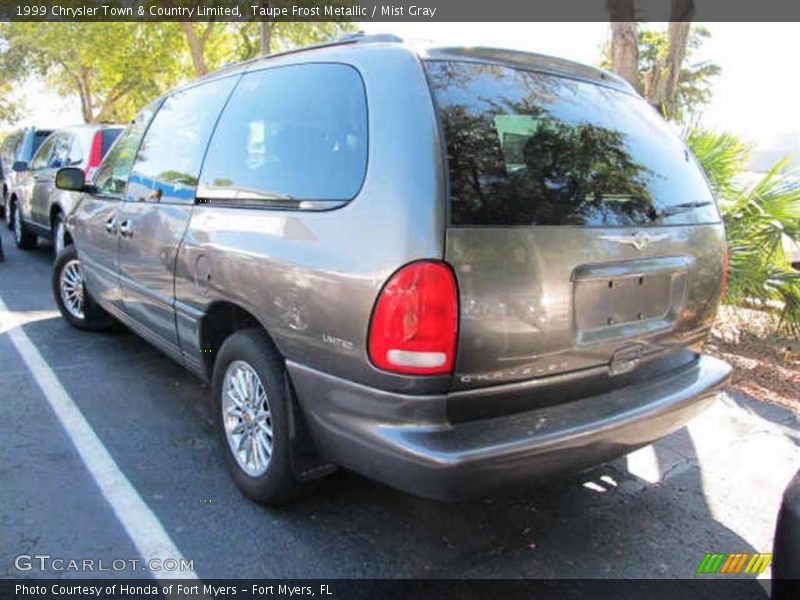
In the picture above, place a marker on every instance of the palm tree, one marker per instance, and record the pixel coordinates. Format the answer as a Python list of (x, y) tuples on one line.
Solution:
[(758, 218)]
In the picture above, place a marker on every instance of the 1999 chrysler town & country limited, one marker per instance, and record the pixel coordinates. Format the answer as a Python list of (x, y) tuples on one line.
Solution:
[(449, 269)]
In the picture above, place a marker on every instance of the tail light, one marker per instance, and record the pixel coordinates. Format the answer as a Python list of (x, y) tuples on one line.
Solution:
[(95, 154), (415, 321), (724, 284)]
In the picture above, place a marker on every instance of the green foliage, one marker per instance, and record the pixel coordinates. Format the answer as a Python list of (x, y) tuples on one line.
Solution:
[(116, 68), (693, 90), (758, 217), (286, 35), (723, 156), (10, 110), (694, 82), (113, 68)]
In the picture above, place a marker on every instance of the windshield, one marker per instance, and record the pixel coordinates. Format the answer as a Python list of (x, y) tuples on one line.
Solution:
[(526, 148)]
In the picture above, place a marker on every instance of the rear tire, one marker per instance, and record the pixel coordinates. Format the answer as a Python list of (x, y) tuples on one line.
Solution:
[(261, 467), (73, 299), (8, 216), (23, 237)]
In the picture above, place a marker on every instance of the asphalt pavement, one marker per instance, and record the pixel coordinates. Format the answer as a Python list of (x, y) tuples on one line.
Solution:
[(714, 486)]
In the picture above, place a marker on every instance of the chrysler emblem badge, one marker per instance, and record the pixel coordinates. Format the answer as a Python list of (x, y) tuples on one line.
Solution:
[(638, 241)]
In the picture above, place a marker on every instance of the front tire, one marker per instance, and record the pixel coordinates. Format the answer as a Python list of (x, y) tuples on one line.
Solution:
[(23, 237), (59, 230), (253, 416), (73, 299)]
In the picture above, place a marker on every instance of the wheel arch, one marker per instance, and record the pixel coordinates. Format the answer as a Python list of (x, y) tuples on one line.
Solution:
[(223, 319)]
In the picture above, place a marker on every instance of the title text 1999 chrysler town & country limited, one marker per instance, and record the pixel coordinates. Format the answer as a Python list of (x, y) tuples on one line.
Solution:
[(451, 270)]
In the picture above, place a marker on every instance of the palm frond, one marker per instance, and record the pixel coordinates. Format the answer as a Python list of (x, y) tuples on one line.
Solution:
[(757, 220)]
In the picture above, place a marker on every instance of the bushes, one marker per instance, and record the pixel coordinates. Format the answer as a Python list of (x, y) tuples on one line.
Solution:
[(757, 218)]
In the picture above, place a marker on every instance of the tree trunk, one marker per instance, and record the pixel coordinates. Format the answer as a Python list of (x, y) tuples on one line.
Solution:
[(625, 52), (265, 38), (85, 92), (661, 82), (196, 47), (624, 41)]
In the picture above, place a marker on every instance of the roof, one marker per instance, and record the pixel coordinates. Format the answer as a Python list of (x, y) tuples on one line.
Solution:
[(508, 57)]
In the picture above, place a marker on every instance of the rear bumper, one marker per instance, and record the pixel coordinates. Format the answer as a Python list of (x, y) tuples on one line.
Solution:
[(405, 441)]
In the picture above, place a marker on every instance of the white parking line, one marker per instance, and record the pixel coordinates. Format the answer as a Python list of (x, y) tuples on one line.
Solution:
[(140, 523)]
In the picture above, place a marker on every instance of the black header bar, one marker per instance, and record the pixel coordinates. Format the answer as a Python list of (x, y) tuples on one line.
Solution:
[(733, 588), (400, 10)]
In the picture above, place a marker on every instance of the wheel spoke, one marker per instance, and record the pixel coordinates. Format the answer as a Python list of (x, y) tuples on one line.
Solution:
[(236, 384), (264, 443), (259, 456), (241, 377), (234, 411), (234, 395), (263, 426), (250, 450)]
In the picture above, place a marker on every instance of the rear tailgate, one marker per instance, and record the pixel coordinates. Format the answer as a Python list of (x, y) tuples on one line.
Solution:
[(584, 237)]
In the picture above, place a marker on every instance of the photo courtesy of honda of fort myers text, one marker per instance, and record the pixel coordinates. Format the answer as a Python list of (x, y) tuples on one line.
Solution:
[(402, 299)]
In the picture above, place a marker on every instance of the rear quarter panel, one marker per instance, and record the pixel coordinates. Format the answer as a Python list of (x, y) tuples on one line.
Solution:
[(311, 278)]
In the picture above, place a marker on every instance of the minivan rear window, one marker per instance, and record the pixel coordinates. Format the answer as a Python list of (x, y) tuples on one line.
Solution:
[(529, 148)]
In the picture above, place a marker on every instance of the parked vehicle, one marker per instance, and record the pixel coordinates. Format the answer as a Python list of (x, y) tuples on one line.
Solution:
[(451, 270), (38, 209), (786, 546), (19, 145)]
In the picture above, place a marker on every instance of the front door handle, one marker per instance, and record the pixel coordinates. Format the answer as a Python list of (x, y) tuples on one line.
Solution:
[(125, 228), (111, 225)]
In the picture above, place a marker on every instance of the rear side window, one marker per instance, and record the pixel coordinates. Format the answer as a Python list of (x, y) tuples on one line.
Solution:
[(112, 175), (61, 148), (42, 156), (76, 152), (108, 138), (290, 134), (38, 138), (169, 159), (526, 148)]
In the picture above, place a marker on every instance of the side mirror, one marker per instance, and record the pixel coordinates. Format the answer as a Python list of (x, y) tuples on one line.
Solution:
[(20, 166), (71, 179)]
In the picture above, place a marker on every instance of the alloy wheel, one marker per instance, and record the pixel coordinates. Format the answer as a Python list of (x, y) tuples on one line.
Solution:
[(71, 286), (246, 418)]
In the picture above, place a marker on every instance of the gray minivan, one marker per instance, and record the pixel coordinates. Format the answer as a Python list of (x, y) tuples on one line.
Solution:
[(36, 207), (448, 269), (19, 145)]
